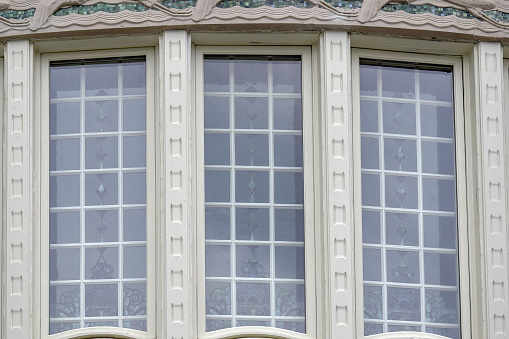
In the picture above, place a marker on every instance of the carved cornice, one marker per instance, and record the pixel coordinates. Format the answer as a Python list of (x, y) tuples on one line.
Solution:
[(463, 19)]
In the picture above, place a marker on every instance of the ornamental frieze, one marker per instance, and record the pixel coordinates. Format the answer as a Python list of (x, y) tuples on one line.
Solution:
[(461, 19)]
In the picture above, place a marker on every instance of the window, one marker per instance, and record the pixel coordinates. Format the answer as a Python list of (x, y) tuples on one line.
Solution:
[(255, 196), (98, 160), (409, 128)]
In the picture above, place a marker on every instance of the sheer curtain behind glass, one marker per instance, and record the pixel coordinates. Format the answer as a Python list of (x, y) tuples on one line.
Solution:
[(254, 216), (409, 224), (97, 194)]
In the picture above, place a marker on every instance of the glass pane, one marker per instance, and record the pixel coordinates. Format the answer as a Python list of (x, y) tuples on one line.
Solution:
[(370, 152), (437, 121), (399, 118), (373, 302), (372, 264), (92, 176), (404, 304), (435, 86), (437, 157), (439, 231), (403, 266), (370, 190), (402, 229), (398, 82), (369, 116), (400, 155), (441, 269), (371, 227), (254, 193), (401, 191)]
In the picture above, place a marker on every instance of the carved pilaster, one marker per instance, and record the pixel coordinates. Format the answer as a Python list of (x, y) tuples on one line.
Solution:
[(18, 62), (493, 215), (175, 72), (337, 113)]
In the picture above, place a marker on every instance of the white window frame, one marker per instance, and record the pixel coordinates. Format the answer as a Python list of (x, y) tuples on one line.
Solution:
[(461, 191), (41, 262), (311, 214)]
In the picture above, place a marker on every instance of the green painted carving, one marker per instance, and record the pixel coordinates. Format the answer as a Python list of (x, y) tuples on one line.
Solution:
[(259, 3), (18, 15), (101, 7), (419, 9), (179, 4)]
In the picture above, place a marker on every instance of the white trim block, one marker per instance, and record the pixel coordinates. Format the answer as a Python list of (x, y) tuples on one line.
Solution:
[(175, 100), (336, 57), (18, 65), (490, 84)]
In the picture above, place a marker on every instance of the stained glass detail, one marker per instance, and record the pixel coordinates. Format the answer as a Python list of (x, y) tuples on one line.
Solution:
[(97, 274), (254, 229), (410, 258)]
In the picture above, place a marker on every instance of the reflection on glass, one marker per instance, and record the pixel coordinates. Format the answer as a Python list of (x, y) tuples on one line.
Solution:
[(254, 193), (409, 230), (97, 195)]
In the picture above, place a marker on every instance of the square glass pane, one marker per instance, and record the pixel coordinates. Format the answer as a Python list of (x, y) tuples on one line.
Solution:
[(290, 262), (289, 224), (134, 114), (101, 300), (250, 76), (439, 231), (101, 116), (217, 149), (402, 229), (398, 82), (101, 80), (64, 227), (217, 261), (64, 264), (64, 301), (399, 118), (438, 157), (441, 269), (101, 189), (135, 224), (400, 155), (134, 151), (288, 150), (370, 151), (65, 82), (216, 112), (439, 194), (64, 190), (218, 298), (64, 154), (251, 113), (251, 186), (135, 188), (287, 76), (216, 75), (290, 300), (217, 223), (288, 187), (401, 191), (437, 121), (101, 152), (369, 116), (64, 118), (404, 304), (370, 189), (373, 302), (371, 227), (435, 85), (403, 266), (101, 263), (252, 224), (217, 186), (101, 226), (372, 264), (443, 306), (368, 80), (253, 261), (250, 149), (135, 304), (135, 259), (287, 114), (253, 299), (134, 78)]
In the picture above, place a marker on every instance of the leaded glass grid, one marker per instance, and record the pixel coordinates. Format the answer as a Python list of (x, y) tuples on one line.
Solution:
[(254, 193), (97, 193), (409, 220)]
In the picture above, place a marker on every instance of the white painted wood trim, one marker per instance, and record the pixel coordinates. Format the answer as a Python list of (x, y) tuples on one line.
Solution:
[(338, 192), (492, 188), (18, 69), (2, 195), (175, 81)]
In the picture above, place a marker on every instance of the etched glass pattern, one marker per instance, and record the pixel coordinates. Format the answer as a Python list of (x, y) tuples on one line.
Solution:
[(97, 259), (254, 193), (409, 231)]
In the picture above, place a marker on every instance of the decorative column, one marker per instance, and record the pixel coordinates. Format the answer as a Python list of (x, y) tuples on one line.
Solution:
[(175, 99), (17, 303), (493, 213), (339, 196)]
